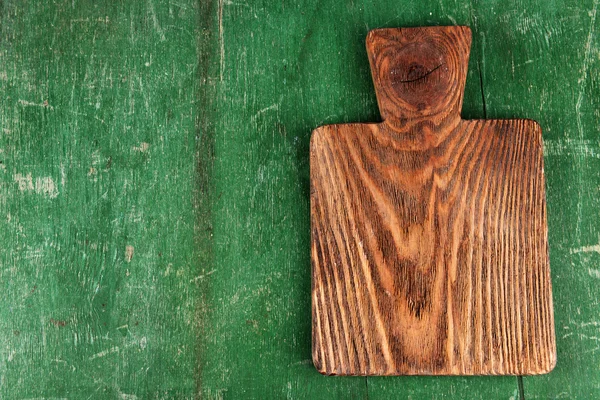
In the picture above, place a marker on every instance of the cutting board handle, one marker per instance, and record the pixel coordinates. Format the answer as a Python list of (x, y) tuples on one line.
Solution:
[(419, 73)]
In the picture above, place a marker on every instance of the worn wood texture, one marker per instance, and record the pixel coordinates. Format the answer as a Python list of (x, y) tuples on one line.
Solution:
[(225, 95), (99, 269), (429, 236)]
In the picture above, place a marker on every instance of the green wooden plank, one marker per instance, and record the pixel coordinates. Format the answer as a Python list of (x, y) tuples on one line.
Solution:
[(543, 62), (285, 69), (258, 329), (98, 180)]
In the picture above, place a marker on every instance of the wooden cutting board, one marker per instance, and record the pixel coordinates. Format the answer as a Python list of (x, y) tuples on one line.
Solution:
[(428, 232)]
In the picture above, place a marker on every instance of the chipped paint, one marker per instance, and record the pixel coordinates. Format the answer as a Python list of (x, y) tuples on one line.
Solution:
[(594, 248), (142, 148), (129, 253), (43, 185)]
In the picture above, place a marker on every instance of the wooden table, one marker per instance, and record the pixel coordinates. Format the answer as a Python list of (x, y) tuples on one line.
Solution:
[(154, 194)]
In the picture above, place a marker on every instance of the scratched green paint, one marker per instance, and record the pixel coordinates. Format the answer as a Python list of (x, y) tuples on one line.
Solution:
[(154, 188), (98, 134)]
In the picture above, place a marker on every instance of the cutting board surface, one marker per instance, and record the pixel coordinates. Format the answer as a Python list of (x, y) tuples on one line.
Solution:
[(428, 232)]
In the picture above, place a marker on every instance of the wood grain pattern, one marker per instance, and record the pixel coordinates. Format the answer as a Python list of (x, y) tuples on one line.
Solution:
[(428, 232)]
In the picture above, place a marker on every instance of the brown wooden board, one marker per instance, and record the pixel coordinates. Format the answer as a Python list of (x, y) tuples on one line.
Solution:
[(428, 232)]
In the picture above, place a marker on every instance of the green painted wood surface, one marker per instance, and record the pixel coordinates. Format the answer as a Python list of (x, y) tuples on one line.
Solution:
[(154, 188)]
